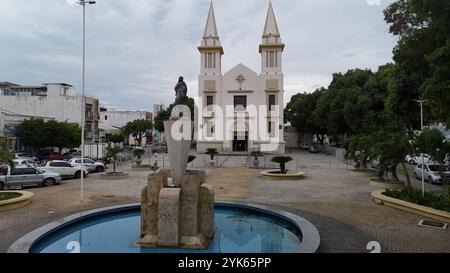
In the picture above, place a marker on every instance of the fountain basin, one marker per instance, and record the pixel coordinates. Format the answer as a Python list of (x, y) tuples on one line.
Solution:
[(239, 228)]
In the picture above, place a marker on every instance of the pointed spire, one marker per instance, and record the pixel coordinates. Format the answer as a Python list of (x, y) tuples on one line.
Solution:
[(271, 26), (211, 27)]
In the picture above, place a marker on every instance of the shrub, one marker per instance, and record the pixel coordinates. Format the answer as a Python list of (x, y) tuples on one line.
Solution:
[(138, 153), (211, 152), (415, 196), (282, 160)]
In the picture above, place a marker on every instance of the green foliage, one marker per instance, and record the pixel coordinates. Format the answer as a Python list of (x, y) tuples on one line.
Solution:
[(421, 57), (111, 155), (115, 138), (165, 114), (6, 157), (211, 152), (36, 133), (138, 129), (415, 196), (138, 153), (433, 142), (159, 120), (282, 160), (298, 112)]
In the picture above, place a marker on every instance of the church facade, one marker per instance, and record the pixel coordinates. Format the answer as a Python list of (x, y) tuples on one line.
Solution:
[(241, 110)]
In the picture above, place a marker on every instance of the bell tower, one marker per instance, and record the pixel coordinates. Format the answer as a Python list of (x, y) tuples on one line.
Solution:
[(210, 48), (271, 47)]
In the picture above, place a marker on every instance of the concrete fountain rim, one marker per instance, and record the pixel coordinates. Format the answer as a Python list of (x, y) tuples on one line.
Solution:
[(310, 241)]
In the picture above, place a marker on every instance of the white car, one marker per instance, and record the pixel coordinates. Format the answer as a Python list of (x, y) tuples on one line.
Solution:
[(431, 173), (91, 165), (24, 162), (64, 169), (417, 159)]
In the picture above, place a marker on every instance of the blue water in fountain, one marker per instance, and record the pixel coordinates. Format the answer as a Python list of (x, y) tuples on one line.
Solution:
[(237, 231)]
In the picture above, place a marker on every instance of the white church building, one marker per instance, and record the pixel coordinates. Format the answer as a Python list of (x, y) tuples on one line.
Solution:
[(241, 110)]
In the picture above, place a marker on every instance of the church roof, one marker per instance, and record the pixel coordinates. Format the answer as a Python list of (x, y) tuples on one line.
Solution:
[(271, 26), (211, 27)]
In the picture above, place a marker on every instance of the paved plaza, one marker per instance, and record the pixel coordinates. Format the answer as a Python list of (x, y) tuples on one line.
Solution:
[(331, 196)]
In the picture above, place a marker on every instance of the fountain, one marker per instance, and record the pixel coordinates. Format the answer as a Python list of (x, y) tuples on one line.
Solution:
[(177, 214), (181, 213)]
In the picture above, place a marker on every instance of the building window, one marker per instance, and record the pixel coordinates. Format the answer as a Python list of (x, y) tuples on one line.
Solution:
[(240, 102), (106, 117), (209, 102), (210, 129), (272, 59), (272, 102), (271, 129), (210, 60)]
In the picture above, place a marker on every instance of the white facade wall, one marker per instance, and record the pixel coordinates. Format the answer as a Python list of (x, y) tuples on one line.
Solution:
[(117, 119), (59, 108)]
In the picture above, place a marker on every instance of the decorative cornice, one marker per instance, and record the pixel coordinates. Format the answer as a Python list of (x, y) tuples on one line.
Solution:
[(210, 48), (270, 46)]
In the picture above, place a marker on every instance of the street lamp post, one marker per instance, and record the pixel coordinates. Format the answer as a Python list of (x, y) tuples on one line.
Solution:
[(421, 129), (83, 99)]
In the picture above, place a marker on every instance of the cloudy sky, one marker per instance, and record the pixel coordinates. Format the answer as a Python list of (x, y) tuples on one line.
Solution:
[(137, 49)]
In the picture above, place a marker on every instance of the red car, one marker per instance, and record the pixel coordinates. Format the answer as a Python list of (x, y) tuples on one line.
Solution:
[(52, 156)]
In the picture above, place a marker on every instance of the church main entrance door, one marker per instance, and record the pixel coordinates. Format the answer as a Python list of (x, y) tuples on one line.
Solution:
[(240, 142)]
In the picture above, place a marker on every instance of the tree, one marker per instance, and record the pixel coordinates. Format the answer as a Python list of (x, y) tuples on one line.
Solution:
[(33, 133), (162, 116), (115, 138), (36, 133), (434, 143), (63, 134), (111, 155), (6, 157), (138, 129), (165, 114), (298, 112), (421, 58)]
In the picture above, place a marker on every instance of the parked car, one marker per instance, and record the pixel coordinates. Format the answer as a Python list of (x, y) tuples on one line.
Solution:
[(64, 169), (24, 162), (27, 176), (431, 173), (374, 164), (304, 146), (52, 156), (417, 159), (43, 152), (70, 155), (89, 164), (313, 149), (24, 155)]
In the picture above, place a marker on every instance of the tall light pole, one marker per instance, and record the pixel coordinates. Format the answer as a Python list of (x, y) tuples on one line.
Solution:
[(421, 128), (83, 99)]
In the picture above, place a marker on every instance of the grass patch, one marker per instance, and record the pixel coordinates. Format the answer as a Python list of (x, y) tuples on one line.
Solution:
[(9, 195), (415, 196)]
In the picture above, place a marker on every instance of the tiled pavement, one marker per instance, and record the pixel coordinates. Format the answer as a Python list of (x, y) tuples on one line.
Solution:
[(334, 199)]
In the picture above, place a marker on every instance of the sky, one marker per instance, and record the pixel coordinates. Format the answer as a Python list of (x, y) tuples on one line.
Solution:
[(137, 49)]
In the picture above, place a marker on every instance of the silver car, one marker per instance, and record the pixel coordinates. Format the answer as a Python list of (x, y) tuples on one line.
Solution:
[(91, 165), (431, 173), (27, 176)]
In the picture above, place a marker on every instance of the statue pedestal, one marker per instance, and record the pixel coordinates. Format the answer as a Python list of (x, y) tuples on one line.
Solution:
[(177, 217)]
